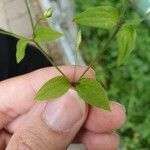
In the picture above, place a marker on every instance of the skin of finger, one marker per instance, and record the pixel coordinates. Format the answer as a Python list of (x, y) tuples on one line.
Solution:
[(16, 123), (94, 141), (17, 94), (4, 139), (37, 135), (98, 120), (101, 121)]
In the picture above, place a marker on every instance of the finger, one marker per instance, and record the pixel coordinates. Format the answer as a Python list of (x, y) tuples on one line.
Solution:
[(98, 120), (51, 125), (13, 126), (94, 141), (17, 94), (101, 121), (4, 139)]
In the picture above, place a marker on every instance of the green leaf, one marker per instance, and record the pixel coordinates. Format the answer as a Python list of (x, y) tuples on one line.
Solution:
[(104, 17), (134, 22), (79, 39), (53, 88), (45, 34), (21, 47), (126, 39), (93, 93)]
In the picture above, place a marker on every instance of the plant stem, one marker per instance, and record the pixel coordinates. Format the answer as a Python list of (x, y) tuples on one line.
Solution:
[(38, 21), (29, 13), (38, 45), (75, 66), (118, 26), (48, 58), (12, 34), (103, 49)]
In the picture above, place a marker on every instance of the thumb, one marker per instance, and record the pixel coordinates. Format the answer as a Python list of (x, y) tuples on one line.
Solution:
[(51, 125)]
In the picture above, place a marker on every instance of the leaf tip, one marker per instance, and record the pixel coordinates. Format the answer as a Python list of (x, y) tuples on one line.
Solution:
[(18, 60), (108, 108), (36, 98)]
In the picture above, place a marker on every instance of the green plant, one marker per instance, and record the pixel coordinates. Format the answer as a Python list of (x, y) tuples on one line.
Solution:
[(90, 90), (129, 83)]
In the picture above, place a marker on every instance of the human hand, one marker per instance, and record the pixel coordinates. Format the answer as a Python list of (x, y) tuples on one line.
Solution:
[(53, 125)]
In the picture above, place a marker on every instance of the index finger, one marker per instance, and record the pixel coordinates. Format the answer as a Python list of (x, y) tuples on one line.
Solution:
[(101, 121), (17, 94)]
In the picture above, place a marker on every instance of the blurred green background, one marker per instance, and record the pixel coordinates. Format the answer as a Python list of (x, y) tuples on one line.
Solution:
[(128, 84)]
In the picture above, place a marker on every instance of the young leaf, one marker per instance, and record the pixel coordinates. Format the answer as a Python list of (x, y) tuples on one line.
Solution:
[(104, 17), (21, 47), (134, 22), (126, 39), (45, 34), (137, 21), (53, 88), (79, 39), (93, 93)]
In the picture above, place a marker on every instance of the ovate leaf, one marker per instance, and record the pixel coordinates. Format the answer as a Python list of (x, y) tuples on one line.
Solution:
[(104, 17), (46, 34), (53, 88), (21, 47), (126, 39), (93, 93)]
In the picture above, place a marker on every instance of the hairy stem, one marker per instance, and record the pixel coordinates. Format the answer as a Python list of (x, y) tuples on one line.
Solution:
[(117, 28), (48, 58)]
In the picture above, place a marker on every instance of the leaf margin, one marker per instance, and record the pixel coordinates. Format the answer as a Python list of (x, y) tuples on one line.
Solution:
[(20, 49), (43, 34), (106, 106), (81, 15), (121, 35), (39, 94)]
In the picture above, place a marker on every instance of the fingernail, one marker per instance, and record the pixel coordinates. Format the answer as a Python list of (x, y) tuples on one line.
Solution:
[(64, 113), (120, 105)]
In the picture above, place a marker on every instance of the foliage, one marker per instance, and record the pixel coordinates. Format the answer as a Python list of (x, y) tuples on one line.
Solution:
[(93, 93), (129, 84), (21, 47), (126, 38), (104, 17), (57, 86), (53, 88), (45, 34)]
